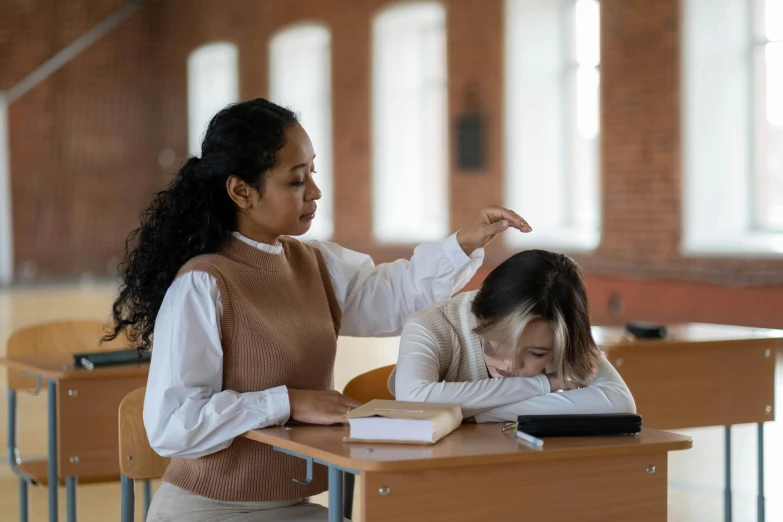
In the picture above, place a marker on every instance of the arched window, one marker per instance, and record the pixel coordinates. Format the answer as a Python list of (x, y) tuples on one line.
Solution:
[(409, 123), (213, 83), (552, 120), (732, 136), (300, 78)]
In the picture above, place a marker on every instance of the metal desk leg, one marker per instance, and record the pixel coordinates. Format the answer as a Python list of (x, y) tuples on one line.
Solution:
[(23, 502), (70, 499), (147, 497), (54, 479), (727, 491), (128, 499), (335, 494), (12, 454), (336, 477), (350, 487), (761, 502)]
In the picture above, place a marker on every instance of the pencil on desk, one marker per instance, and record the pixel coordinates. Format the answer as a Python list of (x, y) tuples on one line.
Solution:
[(538, 443)]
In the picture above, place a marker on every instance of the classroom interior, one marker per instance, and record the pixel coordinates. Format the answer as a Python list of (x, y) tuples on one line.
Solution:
[(644, 138)]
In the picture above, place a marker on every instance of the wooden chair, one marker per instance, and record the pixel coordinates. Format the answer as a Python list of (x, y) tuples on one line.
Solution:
[(364, 388), (370, 385), (78, 436), (138, 461)]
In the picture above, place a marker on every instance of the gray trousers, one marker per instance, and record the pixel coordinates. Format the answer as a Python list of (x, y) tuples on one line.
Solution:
[(174, 504)]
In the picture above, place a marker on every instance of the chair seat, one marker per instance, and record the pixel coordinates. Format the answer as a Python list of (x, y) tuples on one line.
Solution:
[(38, 472)]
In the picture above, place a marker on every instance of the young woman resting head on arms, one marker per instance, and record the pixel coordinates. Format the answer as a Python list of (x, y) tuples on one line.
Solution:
[(510, 347)]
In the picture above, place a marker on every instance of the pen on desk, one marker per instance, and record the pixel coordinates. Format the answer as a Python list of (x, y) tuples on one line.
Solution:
[(538, 443)]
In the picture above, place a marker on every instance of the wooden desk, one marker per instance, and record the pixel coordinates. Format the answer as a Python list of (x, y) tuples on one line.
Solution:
[(479, 473), (61, 368), (82, 408), (701, 375)]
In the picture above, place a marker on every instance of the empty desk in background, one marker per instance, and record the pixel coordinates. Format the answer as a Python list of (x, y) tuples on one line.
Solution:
[(82, 422), (701, 375)]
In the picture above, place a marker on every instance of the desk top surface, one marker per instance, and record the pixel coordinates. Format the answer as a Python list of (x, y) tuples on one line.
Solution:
[(470, 445), (689, 333), (59, 367)]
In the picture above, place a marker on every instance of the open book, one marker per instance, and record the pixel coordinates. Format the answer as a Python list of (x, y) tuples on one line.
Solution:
[(403, 422)]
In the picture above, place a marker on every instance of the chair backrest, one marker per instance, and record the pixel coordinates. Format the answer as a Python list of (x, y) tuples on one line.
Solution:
[(137, 459), (56, 338), (370, 385)]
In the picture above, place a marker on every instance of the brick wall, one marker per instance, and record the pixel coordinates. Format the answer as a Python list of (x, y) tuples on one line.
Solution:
[(85, 144), (82, 142)]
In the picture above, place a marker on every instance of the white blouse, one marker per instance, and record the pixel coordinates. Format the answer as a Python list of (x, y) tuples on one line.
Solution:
[(187, 413)]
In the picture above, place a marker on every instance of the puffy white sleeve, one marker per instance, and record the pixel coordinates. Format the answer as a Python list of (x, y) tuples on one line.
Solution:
[(417, 378), (607, 393), (376, 300), (187, 413)]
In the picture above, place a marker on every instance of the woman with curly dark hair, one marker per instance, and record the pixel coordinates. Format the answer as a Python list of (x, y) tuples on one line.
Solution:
[(244, 319)]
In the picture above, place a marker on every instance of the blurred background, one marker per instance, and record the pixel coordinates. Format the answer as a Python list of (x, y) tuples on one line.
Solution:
[(643, 137)]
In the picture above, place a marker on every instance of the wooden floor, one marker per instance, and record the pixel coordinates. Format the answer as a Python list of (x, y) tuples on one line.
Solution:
[(696, 476)]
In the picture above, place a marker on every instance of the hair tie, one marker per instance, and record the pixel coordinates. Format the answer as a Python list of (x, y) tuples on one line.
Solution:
[(199, 170)]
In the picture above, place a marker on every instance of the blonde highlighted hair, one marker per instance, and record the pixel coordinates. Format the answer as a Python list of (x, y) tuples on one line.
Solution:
[(541, 285)]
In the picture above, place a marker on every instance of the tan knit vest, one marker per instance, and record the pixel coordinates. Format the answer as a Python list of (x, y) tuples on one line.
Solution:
[(460, 356), (279, 327)]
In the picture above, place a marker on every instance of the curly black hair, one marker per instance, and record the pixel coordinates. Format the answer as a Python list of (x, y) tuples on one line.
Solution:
[(195, 214)]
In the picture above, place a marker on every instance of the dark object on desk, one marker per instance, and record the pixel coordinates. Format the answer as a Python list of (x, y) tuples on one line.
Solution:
[(93, 359), (579, 425), (645, 330)]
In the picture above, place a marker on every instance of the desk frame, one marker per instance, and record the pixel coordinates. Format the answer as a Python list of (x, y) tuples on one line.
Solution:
[(338, 485), (752, 357), (53, 378), (53, 476)]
